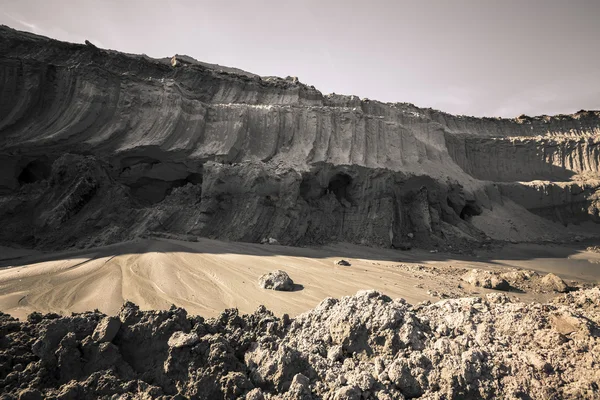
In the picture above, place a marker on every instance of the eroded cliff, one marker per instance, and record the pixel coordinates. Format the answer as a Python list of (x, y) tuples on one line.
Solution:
[(98, 146)]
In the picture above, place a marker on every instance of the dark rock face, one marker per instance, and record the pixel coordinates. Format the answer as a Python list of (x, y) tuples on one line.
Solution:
[(98, 147), (362, 346)]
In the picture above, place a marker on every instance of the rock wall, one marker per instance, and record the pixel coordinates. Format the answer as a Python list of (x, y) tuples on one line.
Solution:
[(199, 150), (509, 159)]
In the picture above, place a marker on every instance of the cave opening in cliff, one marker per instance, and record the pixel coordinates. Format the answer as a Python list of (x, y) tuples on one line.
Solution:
[(469, 210), (37, 170), (339, 185)]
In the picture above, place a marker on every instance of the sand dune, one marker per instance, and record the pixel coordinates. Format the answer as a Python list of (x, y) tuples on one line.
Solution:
[(208, 276)]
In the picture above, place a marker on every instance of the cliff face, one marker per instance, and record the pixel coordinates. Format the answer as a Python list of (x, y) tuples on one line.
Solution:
[(98, 146)]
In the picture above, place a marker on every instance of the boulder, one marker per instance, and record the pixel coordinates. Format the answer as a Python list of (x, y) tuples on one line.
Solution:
[(276, 280), (552, 282)]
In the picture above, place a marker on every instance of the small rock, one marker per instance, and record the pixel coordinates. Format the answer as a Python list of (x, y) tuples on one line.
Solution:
[(300, 387), (343, 263), (553, 282), (536, 361), (410, 235), (564, 324), (107, 329), (348, 393), (182, 339), (335, 353), (276, 280), (269, 241), (497, 298), (255, 394), (364, 381)]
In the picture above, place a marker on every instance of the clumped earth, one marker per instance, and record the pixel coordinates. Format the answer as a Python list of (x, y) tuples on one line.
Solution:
[(362, 346), (447, 281), (485, 279)]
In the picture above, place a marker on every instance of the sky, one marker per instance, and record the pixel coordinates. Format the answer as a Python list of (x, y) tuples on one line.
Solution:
[(497, 58)]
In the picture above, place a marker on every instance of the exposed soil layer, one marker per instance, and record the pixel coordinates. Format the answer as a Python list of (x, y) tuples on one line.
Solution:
[(363, 346), (97, 147)]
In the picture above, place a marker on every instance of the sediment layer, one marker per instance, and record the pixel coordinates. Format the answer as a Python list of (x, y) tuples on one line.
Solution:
[(192, 149)]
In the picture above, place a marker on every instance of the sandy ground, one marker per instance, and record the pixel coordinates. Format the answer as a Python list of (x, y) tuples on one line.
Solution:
[(208, 276)]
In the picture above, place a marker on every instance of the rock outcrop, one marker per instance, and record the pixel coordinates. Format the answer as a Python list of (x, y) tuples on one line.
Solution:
[(362, 346), (98, 147)]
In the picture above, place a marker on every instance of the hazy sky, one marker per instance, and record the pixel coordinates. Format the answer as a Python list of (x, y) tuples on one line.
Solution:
[(474, 57)]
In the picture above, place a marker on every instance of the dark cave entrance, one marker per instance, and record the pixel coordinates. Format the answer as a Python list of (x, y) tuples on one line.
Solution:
[(469, 210), (339, 185), (37, 170)]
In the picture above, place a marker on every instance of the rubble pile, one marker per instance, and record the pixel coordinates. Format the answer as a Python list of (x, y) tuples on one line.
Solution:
[(363, 346)]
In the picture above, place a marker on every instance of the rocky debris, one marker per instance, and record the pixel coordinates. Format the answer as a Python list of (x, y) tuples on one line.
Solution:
[(448, 281), (276, 280), (269, 241), (518, 276), (362, 346), (585, 301), (593, 249), (551, 282), (486, 279), (343, 263)]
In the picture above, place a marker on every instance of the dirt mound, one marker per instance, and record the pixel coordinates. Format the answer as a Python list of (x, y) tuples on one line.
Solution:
[(366, 345)]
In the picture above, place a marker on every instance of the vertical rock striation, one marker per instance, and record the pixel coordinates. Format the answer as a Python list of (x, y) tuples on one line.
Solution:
[(98, 146)]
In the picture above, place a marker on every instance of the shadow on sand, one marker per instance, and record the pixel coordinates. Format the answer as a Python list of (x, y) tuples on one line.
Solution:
[(552, 258)]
